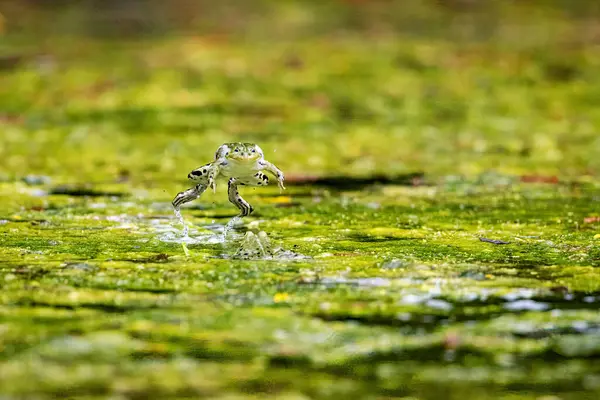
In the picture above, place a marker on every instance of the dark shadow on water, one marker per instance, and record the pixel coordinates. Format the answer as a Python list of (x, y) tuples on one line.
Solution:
[(104, 307), (32, 272), (160, 258), (425, 323), (344, 182), (360, 237), (78, 191)]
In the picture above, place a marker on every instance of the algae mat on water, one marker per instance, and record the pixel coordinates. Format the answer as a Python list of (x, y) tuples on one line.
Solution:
[(467, 268), (399, 296)]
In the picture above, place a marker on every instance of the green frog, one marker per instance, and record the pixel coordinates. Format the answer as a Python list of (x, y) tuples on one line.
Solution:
[(240, 163)]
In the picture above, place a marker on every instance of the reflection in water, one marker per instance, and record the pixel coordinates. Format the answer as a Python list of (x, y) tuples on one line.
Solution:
[(258, 246), (254, 245)]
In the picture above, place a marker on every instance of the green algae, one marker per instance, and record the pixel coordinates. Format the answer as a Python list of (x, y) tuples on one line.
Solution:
[(400, 158), (391, 294)]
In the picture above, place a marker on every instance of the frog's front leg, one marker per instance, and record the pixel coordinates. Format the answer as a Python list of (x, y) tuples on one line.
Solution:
[(235, 198), (213, 173), (267, 166)]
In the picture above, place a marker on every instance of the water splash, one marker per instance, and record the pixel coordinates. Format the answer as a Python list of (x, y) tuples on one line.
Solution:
[(212, 233), (169, 233), (177, 212), (237, 246), (195, 238), (230, 225)]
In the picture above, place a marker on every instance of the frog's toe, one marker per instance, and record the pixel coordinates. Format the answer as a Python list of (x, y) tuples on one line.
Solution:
[(212, 185)]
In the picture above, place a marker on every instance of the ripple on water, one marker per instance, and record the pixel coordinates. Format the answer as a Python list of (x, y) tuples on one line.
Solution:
[(168, 232), (251, 247), (197, 238)]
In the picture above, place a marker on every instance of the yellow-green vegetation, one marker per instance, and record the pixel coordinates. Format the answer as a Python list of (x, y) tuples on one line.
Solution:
[(439, 237)]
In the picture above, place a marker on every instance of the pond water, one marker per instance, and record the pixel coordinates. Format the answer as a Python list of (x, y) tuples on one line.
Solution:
[(106, 290)]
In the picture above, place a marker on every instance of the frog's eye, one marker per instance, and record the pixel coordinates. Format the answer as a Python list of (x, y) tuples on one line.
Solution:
[(254, 150), (236, 150)]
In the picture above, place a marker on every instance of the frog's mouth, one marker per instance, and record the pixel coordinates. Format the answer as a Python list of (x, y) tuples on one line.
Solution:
[(244, 157)]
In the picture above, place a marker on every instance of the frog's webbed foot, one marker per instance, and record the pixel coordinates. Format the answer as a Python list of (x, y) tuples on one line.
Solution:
[(188, 195), (235, 198), (280, 178)]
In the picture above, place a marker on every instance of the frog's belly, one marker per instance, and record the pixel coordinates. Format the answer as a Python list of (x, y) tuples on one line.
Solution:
[(236, 170)]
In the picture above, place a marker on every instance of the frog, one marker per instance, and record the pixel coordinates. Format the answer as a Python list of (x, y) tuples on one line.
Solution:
[(242, 164)]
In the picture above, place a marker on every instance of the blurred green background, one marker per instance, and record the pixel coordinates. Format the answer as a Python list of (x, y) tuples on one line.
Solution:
[(357, 88)]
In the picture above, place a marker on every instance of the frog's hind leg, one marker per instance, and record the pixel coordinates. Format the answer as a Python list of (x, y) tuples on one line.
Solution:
[(188, 195), (258, 179), (200, 176), (237, 200)]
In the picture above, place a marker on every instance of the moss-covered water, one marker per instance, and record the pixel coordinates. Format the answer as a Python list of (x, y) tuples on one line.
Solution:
[(439, 236)]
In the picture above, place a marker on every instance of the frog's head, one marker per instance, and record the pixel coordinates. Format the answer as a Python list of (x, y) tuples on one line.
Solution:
[(243, 152)]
